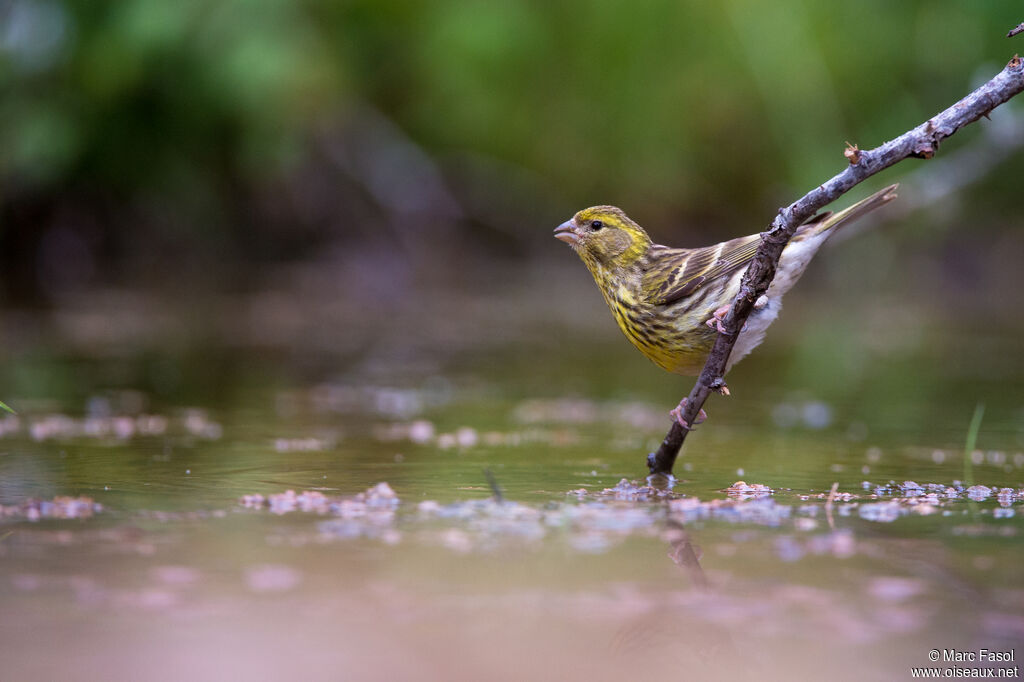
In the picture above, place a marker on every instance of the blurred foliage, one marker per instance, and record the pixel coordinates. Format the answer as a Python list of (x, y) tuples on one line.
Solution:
[(142, 132)]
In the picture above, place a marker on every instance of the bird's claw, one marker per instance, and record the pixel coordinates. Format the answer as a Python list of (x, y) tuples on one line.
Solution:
[(715, 321), (677, 414)]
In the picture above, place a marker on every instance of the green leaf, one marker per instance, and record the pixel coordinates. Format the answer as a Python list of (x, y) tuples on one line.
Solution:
[(4, 407), (972, 439)]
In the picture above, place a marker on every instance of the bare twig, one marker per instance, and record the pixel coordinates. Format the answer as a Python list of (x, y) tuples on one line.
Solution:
[(935, 187), (921, 142), (1015, 31)]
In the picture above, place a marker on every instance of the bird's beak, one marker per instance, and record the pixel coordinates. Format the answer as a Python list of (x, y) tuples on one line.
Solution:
[(567, 233)]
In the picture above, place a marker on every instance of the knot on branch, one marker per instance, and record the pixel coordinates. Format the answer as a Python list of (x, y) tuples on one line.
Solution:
[(852, 154), (718, 385), (925, 150), (777, 233)]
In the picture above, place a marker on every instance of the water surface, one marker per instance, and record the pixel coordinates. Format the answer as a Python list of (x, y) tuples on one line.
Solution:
[(460, 513)]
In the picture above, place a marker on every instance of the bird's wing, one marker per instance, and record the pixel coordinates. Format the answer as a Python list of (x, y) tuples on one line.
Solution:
[(674, 274)]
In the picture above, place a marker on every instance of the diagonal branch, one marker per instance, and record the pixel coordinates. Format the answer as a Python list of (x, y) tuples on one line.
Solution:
[(921, 142)]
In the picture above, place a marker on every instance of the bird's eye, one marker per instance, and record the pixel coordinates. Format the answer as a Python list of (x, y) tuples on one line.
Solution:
[(596, 224)]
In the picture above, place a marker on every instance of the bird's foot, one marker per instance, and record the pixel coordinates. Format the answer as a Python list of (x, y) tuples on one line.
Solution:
[(677, 414), (715, 321)]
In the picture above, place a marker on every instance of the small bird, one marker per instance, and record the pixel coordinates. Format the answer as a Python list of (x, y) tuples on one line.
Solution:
[(670, 302)]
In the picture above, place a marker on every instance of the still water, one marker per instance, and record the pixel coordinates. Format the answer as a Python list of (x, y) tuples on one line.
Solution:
[(458, 510)]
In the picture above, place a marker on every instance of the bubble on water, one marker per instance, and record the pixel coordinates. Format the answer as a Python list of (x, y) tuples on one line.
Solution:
[(817, 415), (995, 457), (466, 437), (421, 431), (882, 512), (979, 492), (911, 489)]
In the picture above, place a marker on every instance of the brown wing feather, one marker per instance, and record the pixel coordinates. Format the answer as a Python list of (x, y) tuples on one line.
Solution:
[(674, 274)]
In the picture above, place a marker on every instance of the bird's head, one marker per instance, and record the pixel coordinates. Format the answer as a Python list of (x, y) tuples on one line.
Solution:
[(604, 235)]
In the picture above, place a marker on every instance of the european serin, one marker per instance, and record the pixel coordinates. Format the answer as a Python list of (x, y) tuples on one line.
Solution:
[(670, 302)]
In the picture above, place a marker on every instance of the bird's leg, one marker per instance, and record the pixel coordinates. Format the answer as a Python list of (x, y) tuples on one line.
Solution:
[(715, 321), (677, 414)]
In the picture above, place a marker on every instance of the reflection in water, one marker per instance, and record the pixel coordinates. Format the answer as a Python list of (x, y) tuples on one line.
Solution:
[(685, 554), (698, 642)]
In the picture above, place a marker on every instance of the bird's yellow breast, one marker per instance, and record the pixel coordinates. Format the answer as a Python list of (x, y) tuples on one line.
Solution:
[(669, 336)]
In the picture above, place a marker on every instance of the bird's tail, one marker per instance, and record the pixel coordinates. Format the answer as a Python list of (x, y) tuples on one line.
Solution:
[(827, 221)]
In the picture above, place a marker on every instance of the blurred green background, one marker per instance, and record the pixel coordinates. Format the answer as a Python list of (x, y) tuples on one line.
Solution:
[(373, 185), (144, 140)]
